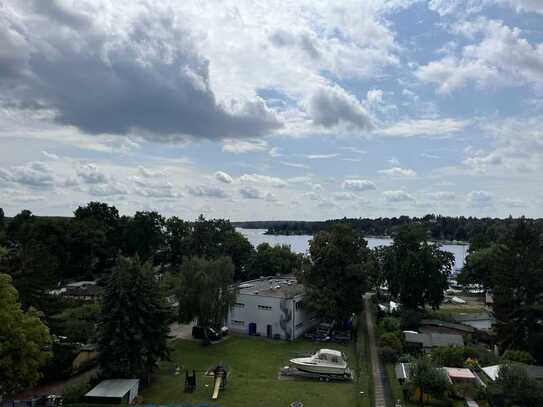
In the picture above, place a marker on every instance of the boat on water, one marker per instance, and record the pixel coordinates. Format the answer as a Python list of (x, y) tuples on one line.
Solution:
[(324, 361)]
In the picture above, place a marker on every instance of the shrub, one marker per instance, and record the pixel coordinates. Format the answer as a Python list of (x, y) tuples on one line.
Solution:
[(392, 340), (389, 354), (391, 324), (410, 319), (519, 356), (74, 393)]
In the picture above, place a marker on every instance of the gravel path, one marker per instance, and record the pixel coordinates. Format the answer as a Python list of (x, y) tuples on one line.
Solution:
[(376, 368)]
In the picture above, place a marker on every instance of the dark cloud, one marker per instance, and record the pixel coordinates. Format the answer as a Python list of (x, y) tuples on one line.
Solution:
[(331, 106), (149, 80)]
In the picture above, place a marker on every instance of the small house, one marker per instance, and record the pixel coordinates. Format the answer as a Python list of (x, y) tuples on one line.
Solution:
[(460, 375), (482, 320), (533, 372), (116, 391), (427, 341), (445, 327)]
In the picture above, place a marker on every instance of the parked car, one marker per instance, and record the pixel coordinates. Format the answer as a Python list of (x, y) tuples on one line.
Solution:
[(198, 333)]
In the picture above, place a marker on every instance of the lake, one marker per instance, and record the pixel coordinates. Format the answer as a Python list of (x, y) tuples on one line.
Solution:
[(300, 243)]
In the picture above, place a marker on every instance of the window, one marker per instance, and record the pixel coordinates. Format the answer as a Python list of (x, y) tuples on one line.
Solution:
[(322, 356), (300, 305), (239, 305), (236, 322), (264, 307), (300, 324), (334, 359)]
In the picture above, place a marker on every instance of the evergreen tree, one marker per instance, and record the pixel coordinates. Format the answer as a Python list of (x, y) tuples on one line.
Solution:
[(133, 327), (23, 342)]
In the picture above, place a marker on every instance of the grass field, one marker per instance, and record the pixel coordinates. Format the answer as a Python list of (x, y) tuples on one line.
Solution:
[(253, 366)]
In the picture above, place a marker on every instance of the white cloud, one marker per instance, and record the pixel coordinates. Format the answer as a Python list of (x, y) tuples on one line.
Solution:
[(344, 196), (398, 196), (205, 191), (359, 185), (90, 174), (244, 146), (249, 192), (320, 156), (436, 128), (374, 96), (263, 180), (399, 172), (501, 58), (32, 174), (480, 199), (442, 196), (223, 177)]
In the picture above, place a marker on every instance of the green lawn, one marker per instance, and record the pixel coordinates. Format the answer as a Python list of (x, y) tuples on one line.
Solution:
[(253, 366)]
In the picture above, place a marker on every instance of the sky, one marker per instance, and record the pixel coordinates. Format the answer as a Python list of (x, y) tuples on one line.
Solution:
[(270, 110)]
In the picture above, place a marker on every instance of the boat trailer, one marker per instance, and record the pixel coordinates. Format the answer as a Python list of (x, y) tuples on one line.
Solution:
[(289, 371)]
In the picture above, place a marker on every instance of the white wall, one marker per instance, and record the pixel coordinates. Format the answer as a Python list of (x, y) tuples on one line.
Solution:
[(250, 312)]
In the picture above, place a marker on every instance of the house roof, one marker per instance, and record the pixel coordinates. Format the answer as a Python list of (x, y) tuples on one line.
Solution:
[(430, 340), (534, 372), (481, 316), (113, 388), (281, 287), (459, 373), (446, 324)]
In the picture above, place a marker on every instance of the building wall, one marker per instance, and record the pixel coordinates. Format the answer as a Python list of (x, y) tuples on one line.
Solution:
[(264, 311)]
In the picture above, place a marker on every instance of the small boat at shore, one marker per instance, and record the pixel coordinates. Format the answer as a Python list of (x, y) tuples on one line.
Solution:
[(324, 361)]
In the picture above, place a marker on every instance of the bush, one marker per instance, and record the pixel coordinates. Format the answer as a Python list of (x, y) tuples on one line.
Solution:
[(390, 324), (75, 392), (392, 340), (389, 354), (410, 319), (450, 357), (519, 356)]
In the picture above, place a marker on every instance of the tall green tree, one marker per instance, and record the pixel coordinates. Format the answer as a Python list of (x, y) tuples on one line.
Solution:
[(336, 279), (428, 380), (416, 271), (518, 287), (178, 236), (24, 339), (205, 290), (271, 260), (133, 327)]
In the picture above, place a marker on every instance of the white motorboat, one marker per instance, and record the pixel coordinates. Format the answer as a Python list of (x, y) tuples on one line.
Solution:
[(324, 361)]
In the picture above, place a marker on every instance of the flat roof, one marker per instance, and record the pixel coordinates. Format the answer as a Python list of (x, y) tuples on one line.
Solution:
[(434, 339), (280, 287), (113, 388), (460, 373)]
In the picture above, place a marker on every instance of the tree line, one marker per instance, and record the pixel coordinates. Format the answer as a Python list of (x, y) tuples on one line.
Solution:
[(437, 227)]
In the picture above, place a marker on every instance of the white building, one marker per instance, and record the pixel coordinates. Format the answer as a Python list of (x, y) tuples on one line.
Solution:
[(272, 307)]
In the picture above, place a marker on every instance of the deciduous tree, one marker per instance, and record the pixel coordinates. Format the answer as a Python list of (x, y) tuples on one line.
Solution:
[(24, 339)]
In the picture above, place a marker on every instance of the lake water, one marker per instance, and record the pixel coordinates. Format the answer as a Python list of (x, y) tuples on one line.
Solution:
[(300, 244)]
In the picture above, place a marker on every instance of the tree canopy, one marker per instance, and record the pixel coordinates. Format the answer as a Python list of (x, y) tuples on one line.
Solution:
[(24, 339), (416, 271), (204, 290), (133, 326), (336, 279)]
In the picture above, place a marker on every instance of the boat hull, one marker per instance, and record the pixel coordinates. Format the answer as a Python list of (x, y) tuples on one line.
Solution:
[(309, 367)]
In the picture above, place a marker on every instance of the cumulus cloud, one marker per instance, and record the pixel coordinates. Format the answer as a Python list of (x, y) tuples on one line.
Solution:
[(358, 185), (32, 174), (109, 189), (442, 196), (223, 177), (399, 172), (398, 196), (249, 192), (332, 106), (263, 180), (149, 76), (154, 188), (502, 57), (205, 191), (480, 199), (90, 174), (344, 196)]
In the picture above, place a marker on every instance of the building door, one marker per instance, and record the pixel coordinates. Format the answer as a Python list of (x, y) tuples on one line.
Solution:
[(269, 331), (252, 328)]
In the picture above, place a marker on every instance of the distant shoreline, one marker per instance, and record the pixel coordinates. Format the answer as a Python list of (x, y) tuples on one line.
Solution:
[(296, 233)]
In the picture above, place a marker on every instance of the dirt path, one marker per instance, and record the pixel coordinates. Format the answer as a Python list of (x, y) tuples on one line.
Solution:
[(376, 368)]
